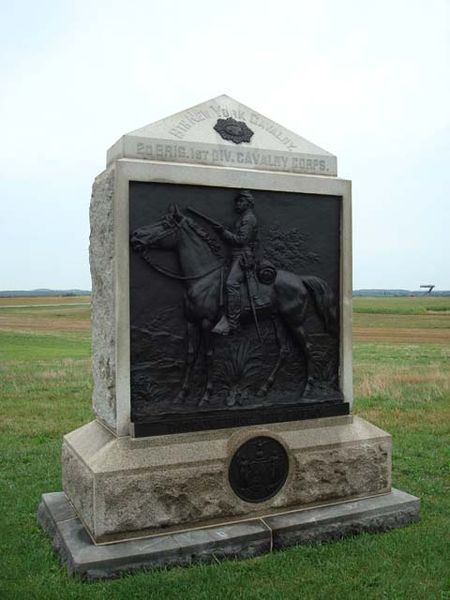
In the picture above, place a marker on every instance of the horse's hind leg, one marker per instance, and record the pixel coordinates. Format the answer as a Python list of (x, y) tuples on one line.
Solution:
[(306, 346), (295, 321), (207, 339), (191, 356), (283, 345)]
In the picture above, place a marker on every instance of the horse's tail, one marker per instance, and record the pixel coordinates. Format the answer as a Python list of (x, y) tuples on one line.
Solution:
[(324, 302)]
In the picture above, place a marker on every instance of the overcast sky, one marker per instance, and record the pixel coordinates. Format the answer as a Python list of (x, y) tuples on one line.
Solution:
[(367, 81)]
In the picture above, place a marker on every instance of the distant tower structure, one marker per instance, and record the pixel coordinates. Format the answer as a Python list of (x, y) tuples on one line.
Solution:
[(428, 286)]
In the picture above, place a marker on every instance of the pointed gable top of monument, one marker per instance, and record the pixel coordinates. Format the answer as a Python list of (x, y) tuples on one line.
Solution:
[(224, 132)]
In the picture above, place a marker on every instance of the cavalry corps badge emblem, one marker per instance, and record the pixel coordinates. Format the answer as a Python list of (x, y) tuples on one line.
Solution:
[(233, 131)]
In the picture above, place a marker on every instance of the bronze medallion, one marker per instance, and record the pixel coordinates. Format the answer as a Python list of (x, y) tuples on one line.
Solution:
[(233, 131), (259, 469)]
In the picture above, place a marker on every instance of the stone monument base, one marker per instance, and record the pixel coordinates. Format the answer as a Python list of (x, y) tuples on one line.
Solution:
[(131, 503), (124, 487), (242, 539)]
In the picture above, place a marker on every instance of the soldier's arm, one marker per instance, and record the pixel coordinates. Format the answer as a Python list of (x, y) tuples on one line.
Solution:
[(243, 234)]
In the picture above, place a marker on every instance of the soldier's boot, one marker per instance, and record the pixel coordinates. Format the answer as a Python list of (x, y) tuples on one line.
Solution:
[(234, 308), (230, 321), (222, 327)]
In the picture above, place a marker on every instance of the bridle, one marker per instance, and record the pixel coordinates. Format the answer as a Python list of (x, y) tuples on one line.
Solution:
[(171, 274)]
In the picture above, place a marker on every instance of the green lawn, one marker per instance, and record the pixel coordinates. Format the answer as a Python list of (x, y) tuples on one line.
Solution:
[(404, 388)]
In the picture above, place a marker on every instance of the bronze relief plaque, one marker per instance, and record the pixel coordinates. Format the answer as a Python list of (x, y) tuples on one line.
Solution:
[(234, 307)]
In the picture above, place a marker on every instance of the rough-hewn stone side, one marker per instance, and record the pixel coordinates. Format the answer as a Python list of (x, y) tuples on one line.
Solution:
[(189, 495), (101, 258), (342, 472), (150, 485), (178, 497), (78, 484)]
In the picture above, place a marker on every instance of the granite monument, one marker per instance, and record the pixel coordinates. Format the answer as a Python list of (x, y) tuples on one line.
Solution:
[(221, 317)]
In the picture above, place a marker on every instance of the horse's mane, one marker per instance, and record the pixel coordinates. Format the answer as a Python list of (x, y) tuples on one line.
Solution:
[(204, 235)]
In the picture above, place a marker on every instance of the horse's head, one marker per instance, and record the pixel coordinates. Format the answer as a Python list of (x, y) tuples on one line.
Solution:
[(163, 234)]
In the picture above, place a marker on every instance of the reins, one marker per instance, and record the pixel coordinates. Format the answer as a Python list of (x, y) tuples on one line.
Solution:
[(173, 275)]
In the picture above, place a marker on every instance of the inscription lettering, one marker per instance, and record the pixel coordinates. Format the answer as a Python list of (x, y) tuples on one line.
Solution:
[(191, 119), (230, 156), (274, 130), (309, 164), (222, 111)]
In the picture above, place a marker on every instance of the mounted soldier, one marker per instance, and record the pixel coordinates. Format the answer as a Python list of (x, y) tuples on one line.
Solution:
[(243, 241)]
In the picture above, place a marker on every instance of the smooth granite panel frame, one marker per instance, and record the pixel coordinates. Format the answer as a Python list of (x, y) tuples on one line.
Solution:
[(127, 170)]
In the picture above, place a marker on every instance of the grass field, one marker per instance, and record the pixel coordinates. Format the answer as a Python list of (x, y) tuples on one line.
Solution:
[(402, 384)]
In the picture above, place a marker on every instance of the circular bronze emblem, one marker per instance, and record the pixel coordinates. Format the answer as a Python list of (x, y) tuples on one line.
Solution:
[(258, 469)]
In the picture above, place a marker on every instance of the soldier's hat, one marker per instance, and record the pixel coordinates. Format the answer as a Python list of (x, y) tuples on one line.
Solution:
[(248, 196)]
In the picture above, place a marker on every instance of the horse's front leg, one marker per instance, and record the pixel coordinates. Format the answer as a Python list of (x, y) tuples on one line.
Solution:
[(209, 360), (191, 356)]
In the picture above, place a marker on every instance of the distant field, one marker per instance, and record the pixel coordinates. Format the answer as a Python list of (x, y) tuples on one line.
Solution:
[(26, 300), (45, 314), (413, 320), (395, 320), (402, 384), (405, 305)]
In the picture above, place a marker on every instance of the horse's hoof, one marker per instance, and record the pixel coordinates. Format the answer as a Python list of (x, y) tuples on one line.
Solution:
[(310, 390), (262, 391), (236, 397), (181, 396), (204, 401), (230, 401)]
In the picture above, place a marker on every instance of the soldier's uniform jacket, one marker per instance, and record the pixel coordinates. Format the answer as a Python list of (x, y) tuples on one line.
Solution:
[(243, 240)]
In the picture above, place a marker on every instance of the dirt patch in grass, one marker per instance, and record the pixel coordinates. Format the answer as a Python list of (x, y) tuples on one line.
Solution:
[(33, 324), (401, 335), (437, 320), (43, 300), (416, 378)]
